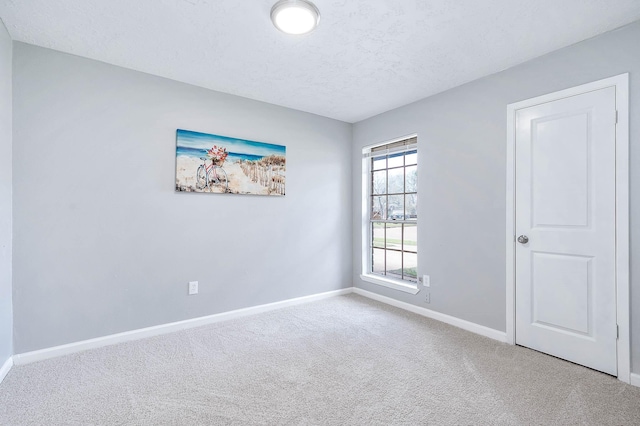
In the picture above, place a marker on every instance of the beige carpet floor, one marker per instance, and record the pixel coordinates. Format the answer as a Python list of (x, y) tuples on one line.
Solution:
[(342, 361)]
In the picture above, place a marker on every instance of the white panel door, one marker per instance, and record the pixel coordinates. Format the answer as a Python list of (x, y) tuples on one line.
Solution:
[(565, 208)]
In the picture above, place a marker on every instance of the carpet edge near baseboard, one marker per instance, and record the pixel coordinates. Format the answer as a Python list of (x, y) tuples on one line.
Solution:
[(491, 333), (482, 330), (57, 351), (142, 333), (6, 367)]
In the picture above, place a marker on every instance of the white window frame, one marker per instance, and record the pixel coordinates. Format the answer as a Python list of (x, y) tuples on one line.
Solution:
[(396, 284)]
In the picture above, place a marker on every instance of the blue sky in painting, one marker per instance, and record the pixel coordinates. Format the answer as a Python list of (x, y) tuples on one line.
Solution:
[(196, 140)]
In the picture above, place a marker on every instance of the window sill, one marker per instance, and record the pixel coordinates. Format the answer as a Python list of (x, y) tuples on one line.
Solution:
[(390, 283)]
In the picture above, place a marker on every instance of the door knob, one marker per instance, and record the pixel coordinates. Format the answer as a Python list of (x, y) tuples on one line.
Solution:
[(523, 239)]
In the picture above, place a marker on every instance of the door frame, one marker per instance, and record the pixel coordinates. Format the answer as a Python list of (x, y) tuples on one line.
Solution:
[(621, 83)]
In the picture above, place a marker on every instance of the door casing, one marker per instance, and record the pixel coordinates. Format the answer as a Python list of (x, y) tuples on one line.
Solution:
[(621, 83)]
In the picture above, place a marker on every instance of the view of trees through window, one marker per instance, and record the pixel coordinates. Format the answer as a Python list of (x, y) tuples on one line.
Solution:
[(393, 215)]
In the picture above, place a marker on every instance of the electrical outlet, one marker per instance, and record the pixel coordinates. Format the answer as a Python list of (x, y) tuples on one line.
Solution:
[(426, 281), (193, 287), (427, 298)]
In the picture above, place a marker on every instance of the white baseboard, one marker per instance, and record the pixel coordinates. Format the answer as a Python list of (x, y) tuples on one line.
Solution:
[(42, 354), (56, 351), (39, 355), (491, 333), (4, 370)]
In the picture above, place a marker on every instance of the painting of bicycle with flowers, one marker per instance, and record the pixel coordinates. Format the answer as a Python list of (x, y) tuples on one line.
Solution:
[(220, 164)]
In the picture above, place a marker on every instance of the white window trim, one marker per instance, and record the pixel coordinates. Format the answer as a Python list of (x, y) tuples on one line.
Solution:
[(401, 285)]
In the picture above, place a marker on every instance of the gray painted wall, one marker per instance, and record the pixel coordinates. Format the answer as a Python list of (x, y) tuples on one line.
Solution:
[(103, 244), (6, 316), (462, 163)]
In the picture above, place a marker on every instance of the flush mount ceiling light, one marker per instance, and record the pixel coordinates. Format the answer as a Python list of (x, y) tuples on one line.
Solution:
[(295, 16)]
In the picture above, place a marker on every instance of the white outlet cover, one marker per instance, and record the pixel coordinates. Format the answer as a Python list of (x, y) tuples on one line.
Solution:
[(193, 287), (426, 281)]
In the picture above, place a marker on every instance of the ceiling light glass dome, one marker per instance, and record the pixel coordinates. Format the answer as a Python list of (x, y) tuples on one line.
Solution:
[(295, 16)]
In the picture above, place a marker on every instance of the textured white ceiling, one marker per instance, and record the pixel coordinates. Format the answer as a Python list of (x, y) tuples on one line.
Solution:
[(366, 57)]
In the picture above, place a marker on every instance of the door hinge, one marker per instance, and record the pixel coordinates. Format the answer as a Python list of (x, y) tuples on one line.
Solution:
[(616, 116), (617, 331)]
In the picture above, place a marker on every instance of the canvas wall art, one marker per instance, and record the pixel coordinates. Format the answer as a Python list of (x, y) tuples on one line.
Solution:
[(220, 164)]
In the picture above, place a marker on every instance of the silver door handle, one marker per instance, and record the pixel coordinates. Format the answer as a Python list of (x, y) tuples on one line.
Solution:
[(523, 239)]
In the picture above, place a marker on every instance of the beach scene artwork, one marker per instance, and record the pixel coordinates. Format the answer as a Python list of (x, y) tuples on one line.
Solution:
[(224, 165)]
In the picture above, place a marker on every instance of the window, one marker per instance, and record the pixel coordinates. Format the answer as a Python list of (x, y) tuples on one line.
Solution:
[(390, 200)]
